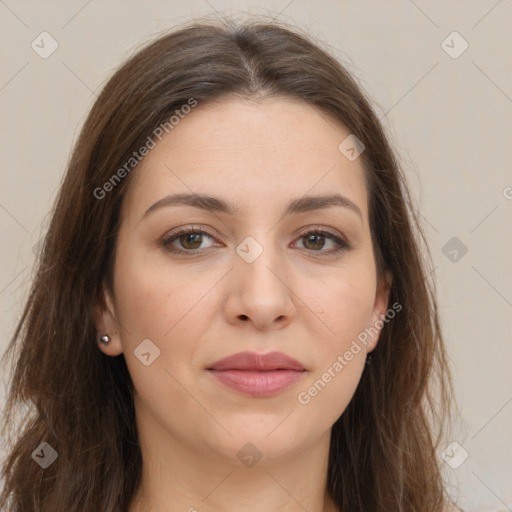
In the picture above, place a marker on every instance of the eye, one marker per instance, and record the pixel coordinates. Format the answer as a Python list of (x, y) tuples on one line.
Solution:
[(190, 240), (315, 240)]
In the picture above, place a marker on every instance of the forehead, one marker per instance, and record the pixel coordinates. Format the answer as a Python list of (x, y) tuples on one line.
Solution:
[(247, 152)]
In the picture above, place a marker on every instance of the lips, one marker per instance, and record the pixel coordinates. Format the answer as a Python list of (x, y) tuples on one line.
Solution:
[(257, 362), (257, 375)]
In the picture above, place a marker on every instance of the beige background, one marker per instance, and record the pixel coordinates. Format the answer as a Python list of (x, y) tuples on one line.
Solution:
[(450, 118)]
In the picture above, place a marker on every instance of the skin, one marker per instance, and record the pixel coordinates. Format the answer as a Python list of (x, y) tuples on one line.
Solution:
[(298, 297)]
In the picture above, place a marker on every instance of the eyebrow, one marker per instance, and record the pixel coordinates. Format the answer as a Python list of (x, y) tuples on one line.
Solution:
[(216, 204)]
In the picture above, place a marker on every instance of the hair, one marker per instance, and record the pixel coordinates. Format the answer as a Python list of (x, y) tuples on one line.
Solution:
[(383, 447)]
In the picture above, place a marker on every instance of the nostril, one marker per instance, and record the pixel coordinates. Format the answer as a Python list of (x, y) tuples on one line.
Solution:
[(244, 317)]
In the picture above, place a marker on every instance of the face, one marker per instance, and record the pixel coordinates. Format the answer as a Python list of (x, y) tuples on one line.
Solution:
[(252, 275)]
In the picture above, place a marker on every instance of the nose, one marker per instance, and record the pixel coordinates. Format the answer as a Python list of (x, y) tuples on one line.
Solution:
[(260, 291)]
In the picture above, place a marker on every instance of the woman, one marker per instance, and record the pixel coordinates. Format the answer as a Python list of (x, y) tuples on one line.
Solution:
[(231, 309)]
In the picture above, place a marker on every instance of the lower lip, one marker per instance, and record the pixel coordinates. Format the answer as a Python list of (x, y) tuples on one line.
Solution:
[(258, 383)]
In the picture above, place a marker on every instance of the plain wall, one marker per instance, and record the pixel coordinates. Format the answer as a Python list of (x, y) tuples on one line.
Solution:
[(449, 118)]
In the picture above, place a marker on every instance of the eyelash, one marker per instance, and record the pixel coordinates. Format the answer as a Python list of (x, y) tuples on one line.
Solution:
[(341, 244)]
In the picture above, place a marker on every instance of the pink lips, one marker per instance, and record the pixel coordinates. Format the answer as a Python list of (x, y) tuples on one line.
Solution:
[(258, 375)]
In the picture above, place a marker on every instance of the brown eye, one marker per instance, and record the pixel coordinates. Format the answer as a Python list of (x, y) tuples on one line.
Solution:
[(186, 241), (315, 240), (190, 240)]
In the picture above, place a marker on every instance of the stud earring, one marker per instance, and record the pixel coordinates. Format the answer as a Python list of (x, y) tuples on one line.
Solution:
[(105, 340)]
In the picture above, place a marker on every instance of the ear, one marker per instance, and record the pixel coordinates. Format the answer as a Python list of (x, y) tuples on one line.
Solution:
[(106, 323), (379, 310)]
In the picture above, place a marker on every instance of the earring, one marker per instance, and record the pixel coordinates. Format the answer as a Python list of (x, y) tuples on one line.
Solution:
[(105, 340), (368, 361)]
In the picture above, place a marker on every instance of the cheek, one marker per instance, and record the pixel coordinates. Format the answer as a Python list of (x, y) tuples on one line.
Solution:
[(154, 300), (165, 307), (327, 393), (168, 306), (345, 305), (340, 359)]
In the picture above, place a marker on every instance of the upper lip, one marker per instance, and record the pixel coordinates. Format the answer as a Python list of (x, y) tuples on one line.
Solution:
[(255, 361)]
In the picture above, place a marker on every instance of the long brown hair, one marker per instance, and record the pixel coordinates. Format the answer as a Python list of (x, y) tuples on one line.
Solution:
[(71, 396)]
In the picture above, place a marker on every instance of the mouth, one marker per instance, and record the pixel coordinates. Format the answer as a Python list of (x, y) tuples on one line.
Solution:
[(257, 375), (258, 383)]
